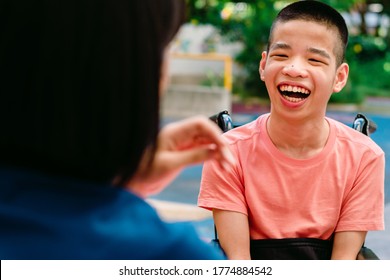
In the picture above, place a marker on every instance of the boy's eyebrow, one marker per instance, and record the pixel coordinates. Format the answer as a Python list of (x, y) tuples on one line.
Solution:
[(319, 52), (276, 46)]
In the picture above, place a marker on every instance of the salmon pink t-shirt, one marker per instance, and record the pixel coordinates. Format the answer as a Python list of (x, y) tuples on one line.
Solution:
[(339, 189)]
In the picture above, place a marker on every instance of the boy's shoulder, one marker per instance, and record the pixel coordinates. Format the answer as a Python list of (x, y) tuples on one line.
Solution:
[(247, 131), (354, 137)]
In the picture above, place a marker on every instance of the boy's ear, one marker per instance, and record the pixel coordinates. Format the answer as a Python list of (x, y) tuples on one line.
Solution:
[(341, 77), (262, 64)]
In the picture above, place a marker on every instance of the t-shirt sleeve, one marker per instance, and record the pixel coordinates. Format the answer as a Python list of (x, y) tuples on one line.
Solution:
[(363, 206), (222, 189)]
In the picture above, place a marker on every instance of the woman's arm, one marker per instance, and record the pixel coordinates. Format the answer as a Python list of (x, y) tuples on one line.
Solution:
[(180, 144)]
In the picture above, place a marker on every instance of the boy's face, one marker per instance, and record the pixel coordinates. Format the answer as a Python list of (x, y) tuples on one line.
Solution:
[(300, 69)]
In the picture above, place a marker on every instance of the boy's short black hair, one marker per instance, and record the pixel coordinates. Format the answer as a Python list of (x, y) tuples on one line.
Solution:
[(318, 12)]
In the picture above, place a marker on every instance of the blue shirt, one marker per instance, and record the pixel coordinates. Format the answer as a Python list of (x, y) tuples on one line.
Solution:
[(48, 217)]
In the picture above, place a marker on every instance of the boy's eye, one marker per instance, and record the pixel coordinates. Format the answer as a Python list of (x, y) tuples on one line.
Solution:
[(317, 61), (279, 55)]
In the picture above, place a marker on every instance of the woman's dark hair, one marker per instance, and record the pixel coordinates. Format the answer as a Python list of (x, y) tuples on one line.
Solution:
[(79, 83), (317, 12)]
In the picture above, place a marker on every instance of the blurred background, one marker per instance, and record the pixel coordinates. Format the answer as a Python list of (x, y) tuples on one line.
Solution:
[(214, 67), (240, 30)]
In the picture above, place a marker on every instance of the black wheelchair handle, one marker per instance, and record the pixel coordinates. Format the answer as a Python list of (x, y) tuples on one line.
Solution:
[(223, 120), (364, 125)]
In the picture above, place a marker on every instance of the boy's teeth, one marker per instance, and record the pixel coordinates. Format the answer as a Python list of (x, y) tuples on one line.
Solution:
[(294, 94), (294, 89), (293, 99)]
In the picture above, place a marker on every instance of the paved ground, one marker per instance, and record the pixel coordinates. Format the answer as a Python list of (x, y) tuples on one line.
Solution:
[(178, 201)]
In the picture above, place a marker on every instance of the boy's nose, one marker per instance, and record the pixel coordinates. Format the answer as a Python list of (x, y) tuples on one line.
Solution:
[(294, 70)]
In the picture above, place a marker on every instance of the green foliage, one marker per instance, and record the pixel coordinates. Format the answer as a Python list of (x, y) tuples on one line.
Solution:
[(255, 39), (369, 61), (366, 48), (212, 79), (350, 94)]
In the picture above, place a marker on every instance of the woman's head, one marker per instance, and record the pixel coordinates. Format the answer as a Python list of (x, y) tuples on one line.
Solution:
[(80, 83)]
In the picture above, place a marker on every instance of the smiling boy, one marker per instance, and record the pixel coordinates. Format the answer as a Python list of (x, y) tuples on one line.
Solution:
[(304, 186)]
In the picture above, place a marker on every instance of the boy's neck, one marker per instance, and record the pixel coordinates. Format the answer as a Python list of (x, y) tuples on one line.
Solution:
[(298, 139)]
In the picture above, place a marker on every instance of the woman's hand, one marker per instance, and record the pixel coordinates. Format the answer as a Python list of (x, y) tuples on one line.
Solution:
[(190, 141)]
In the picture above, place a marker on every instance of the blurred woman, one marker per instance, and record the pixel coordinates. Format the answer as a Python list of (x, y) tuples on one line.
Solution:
[(80, 83)]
